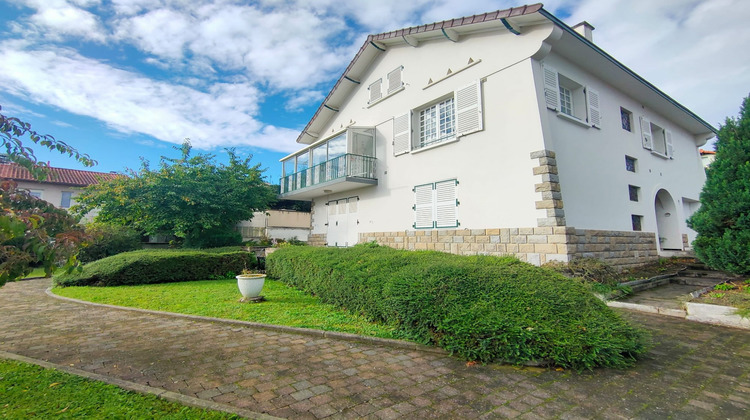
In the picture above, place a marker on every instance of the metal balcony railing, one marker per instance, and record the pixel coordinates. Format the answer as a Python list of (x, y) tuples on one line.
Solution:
[(344, 166)]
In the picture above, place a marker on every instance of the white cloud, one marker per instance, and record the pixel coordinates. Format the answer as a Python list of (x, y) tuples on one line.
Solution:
[(128, 102), (59, 19), (302, 98), (687, 48)]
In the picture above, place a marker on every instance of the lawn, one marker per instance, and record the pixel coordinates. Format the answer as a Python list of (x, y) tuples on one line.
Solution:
[(733, 293), (37, 272), (220, 299), (28, 391)]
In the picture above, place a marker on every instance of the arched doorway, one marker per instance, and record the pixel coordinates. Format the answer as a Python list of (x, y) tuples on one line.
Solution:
[(667, 224)]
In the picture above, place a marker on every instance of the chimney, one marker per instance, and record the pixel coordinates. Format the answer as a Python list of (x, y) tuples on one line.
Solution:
[(585, 29)]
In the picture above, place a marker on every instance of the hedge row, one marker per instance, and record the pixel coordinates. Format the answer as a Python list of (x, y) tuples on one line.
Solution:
[(480, 308), (160, 266)]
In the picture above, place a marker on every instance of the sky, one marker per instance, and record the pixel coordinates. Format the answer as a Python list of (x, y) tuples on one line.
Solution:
[(123, 80)]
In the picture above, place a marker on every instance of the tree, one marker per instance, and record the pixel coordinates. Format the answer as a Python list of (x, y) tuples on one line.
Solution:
[(723, 220), (32, 230), (192, 197)]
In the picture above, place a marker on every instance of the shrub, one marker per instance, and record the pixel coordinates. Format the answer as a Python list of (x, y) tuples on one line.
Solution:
[(480, 308), (105, 240), (723, 220), (159, 266)]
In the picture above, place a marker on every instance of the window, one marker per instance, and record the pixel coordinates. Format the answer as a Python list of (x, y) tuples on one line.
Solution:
[(633, 192), (637, 222), (627, 119), (36, 193), (442, 120), (395, 81), (566, 101), (630, 163), (437, 123), (65, 201), (571, 98), (376, 91), (656, 138), (436, 205)]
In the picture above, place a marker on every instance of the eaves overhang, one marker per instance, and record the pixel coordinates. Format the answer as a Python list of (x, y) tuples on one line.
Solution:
[(509, 20)]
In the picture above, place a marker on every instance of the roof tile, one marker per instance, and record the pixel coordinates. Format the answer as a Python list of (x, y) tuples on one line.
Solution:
[(56, 175)]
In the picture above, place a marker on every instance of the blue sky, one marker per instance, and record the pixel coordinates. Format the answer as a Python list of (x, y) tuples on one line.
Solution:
[(124, 79)]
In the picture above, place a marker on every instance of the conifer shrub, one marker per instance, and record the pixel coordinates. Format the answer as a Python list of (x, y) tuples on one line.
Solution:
[(723, 220), (160, 266), (479, 308)]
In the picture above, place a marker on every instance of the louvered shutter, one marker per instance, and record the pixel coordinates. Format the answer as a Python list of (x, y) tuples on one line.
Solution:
[(646, 137), (423, 199), (468, 109), (551, 88), (670, 148), (376, 91), (402, 134), (595, 117), (395, 81), (446, 204)]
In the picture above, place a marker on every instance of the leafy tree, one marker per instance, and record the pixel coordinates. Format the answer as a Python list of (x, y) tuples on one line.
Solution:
[(723, 221), (32, 230), (192, 197)]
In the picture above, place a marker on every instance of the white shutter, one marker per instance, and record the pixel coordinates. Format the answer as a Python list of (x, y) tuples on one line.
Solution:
[(551, 88), (595, 117), (670, 148), (646, 137), (423, 199), (402, 134), (395, 81), (376, 91), (446, 204), (353, 204), (332, 208), (468, 109)]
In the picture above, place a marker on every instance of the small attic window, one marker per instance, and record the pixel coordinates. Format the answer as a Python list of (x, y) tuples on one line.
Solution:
[(376, 91), (395, 81)]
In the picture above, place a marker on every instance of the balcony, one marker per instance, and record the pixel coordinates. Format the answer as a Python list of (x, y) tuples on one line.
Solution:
[(342, 173)]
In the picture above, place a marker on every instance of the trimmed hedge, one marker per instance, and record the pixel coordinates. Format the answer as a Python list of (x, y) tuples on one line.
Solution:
[(160, 266), (480, 308)]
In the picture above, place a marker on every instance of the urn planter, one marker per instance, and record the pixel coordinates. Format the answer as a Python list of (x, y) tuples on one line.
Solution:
[(250, 285)]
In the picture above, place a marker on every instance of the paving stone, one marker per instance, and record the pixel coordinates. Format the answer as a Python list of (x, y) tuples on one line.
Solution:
[(692, 370)]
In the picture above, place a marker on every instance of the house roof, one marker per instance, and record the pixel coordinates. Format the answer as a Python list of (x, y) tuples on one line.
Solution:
[(56, 175), (512, 19), (706, 152)]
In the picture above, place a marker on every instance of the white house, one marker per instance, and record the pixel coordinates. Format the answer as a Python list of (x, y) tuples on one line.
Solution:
[(61, 185), (276, 224), (502, 133)]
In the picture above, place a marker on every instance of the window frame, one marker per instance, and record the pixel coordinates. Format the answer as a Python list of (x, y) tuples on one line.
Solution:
[(634, 193), (635, 164), (436, 122), (69, 195), (636, 221), (624, 113), (572, 100)]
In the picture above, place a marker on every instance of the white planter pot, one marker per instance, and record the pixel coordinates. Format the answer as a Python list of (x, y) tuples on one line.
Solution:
[(250, 285)]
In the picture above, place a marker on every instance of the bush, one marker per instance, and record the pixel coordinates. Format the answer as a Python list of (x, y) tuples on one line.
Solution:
[(159, 266), (480, 308), (723, 220), (106, 240)]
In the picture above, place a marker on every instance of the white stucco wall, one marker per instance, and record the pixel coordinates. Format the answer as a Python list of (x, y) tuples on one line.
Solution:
[(591, 161), (493, 167)]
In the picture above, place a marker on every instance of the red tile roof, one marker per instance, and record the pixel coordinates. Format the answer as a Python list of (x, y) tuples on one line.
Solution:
[(56, 175), (706, 152)]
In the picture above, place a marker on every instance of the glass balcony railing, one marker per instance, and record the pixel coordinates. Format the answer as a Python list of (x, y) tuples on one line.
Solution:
[(344, 166)]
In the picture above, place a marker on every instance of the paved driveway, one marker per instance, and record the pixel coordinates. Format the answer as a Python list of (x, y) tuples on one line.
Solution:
[(693, 370)]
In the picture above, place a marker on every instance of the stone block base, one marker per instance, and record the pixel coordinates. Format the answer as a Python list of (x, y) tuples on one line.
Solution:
[(317, 239), (535, 245)]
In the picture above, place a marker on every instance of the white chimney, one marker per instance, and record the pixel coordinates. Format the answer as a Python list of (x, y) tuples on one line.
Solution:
[(585, 29)]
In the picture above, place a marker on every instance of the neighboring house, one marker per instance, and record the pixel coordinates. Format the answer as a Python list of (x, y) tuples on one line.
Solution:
[(502, 133), (60, 187), (276, 224), (707, 157)]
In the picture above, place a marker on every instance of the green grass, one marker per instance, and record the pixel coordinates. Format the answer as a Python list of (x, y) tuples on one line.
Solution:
[(29, 391), (37, 272), (220, 299)]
